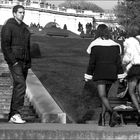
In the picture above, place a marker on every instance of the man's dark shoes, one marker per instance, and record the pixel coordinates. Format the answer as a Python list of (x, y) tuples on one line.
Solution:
[(115, 119)]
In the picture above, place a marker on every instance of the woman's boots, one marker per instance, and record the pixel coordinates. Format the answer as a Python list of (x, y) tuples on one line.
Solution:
[(101, 121), (114, 119)]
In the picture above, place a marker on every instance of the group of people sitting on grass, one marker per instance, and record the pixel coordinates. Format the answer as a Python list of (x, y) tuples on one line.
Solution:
[(108, 62)]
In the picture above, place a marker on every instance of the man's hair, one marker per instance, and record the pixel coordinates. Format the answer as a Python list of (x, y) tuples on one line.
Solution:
[(15, 8)]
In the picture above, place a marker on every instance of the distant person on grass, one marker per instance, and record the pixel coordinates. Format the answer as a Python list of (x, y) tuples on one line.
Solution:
[(104, 68), (15, 44)]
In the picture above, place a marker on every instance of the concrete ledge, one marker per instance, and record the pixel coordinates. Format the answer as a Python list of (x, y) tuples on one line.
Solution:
[(42, 131), (54, 118), (44, 104)]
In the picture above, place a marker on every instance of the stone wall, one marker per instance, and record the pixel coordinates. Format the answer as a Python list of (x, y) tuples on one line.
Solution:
[(35, 15)]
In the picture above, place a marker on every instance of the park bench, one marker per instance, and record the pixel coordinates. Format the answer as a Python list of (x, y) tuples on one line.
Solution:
[(126, 110), (123, 106)]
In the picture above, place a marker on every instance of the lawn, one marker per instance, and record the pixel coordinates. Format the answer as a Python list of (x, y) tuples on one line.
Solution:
[(61, 70)]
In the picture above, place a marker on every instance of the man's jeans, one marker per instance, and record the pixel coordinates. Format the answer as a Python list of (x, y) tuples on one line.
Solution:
[(19, 74)]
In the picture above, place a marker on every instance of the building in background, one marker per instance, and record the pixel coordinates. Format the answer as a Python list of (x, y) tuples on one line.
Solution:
[(44, 13)]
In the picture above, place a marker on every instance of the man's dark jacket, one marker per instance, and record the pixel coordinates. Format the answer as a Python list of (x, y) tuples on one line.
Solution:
[(15, 42)]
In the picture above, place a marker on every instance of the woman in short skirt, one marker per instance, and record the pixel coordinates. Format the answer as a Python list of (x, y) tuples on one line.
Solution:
[(104, 67), (131, 59)]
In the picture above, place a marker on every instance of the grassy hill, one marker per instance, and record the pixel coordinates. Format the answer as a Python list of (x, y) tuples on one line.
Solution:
[(61, 69)]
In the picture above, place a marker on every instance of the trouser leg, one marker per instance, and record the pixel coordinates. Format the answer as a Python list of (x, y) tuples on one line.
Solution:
[(19, 75)]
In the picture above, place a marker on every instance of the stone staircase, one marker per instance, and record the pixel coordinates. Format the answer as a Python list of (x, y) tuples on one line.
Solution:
[(5, 96), (27, 112), (39, 106)]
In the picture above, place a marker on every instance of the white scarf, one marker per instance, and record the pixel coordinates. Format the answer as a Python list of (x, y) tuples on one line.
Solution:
[(102, 42)]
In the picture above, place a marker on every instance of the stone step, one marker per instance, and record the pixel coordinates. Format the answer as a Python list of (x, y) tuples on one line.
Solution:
[(4, 111), (4, 72), (26, 101), (3, 101), (32, 119), (5, 96), (4, 116), (4, 81), (29, 118), (29, 115), (5, 106), (27, 112), (7, 92), (6, 87)]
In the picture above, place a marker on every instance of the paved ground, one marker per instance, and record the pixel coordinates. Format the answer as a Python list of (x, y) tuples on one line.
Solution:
[(68, 127), (54, 131)]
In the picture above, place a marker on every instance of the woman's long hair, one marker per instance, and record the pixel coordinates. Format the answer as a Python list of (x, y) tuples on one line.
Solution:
[(103, 32)]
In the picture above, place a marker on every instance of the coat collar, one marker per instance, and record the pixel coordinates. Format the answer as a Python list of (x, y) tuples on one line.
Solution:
[(101, 42)]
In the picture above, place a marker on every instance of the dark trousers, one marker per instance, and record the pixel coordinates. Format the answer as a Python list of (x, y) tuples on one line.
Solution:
[(19, 74)]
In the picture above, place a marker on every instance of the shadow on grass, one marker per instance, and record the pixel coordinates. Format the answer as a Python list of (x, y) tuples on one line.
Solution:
[(89, 103)]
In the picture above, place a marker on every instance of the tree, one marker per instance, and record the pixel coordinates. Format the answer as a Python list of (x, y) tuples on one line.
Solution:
[(127, 13), (82, 5)]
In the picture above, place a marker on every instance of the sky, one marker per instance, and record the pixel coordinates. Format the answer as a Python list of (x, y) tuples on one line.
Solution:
[(105, 4)]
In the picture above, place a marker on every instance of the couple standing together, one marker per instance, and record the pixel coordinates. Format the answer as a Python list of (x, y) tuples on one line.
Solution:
[(107, 64)]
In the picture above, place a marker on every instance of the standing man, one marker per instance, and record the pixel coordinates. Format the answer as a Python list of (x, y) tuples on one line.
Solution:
[(15, 44)]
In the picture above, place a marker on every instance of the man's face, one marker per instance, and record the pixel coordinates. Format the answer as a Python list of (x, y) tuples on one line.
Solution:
[(19, 15)]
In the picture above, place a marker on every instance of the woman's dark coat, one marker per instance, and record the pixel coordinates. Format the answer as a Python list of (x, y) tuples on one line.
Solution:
[(105, 61)]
